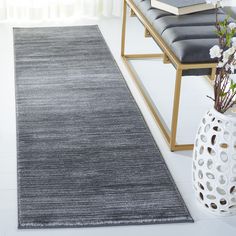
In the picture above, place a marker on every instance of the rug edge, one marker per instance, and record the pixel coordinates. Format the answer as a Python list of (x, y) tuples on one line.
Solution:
[(177, 220)]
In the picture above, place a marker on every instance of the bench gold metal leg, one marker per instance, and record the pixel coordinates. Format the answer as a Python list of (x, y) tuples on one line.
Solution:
[(211, 78), (170, 136), (147, 99), (132, 13), (147, 33), (144, 56), (213, 74), (123, 28), (166, 59), (175, 112)]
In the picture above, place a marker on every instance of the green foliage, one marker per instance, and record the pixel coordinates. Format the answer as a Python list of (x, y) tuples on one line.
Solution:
[(223, 94), (223, 31), (232, 86)]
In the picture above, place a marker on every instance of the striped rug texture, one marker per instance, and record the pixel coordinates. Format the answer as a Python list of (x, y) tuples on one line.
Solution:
[(85, 155)]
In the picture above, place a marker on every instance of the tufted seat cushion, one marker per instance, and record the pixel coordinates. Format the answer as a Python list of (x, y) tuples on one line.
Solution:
[(190, 37)]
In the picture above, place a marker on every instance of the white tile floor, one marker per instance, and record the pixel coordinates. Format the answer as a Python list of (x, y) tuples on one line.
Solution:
[(159, 80)]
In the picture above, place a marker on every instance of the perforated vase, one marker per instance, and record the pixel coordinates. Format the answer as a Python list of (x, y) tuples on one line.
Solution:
[(214, 163)]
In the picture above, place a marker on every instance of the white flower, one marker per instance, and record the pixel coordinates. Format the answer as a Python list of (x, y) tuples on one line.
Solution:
[(230, 67), (215, 51), (233, 40), (220, 64), (228, 53), (232, 26), (227, 67)]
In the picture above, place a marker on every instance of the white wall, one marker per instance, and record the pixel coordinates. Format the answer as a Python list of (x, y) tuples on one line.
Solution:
[(231, 2)]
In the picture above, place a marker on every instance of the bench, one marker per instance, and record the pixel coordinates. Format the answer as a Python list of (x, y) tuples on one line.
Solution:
[(185, 42)]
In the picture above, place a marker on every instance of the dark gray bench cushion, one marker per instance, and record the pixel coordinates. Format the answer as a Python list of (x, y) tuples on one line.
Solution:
[(190, 37)]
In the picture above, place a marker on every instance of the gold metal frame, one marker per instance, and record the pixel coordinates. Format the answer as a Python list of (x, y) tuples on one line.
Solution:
[(168, 57)]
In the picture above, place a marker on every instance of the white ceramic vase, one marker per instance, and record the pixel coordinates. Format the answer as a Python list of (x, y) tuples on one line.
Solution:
[(214, 163)]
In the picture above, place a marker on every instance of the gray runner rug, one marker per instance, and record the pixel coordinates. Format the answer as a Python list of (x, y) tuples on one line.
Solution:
[(85, 154)]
